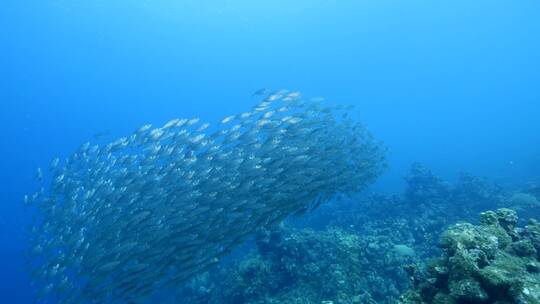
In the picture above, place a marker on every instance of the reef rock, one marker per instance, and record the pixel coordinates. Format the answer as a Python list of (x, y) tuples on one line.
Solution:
[(493, 262)]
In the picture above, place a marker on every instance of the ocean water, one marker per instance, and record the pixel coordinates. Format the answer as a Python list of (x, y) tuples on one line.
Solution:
[(453, 85)]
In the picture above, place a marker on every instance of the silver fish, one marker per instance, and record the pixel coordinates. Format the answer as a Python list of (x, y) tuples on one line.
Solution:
[(161, 205)]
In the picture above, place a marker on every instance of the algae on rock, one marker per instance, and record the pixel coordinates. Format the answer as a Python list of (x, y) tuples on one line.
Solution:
[(493, 262)]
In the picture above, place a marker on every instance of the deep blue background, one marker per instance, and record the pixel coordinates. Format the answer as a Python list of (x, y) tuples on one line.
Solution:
[(453, 84)]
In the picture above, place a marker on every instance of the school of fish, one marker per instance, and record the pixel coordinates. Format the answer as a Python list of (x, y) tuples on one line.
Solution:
[(148, 211)]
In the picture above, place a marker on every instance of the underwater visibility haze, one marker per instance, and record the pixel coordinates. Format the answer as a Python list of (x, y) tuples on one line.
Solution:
[(270, 151)]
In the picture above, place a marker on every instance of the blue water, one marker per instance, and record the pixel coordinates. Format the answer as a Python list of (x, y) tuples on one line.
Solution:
[(452, 84)]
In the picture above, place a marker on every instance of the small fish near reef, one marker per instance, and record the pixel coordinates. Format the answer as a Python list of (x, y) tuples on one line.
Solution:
[(148, 211)]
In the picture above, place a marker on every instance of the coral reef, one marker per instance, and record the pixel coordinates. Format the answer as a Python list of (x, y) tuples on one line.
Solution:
[(493, 262), (294, 266), (370, 240)]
